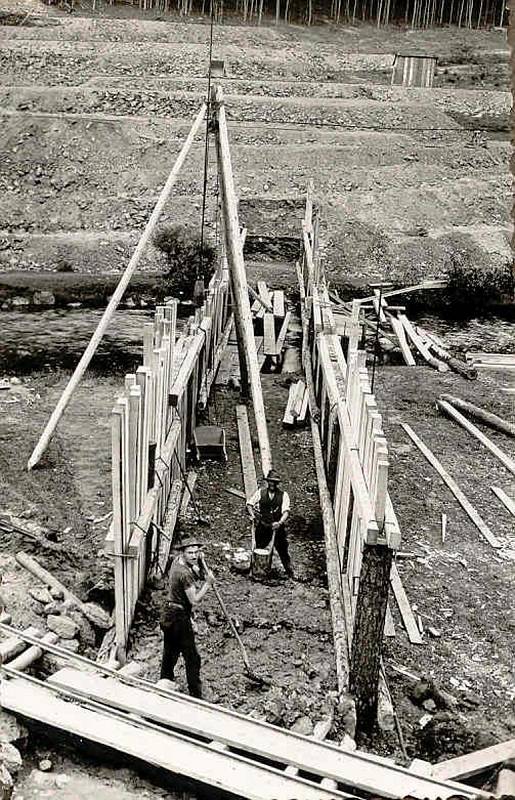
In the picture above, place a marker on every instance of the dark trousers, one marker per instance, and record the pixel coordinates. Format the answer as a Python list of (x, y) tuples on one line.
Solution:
[(179, 638), (263, 536)]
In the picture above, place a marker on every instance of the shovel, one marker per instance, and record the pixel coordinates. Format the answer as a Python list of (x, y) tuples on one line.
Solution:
[(248, 669)]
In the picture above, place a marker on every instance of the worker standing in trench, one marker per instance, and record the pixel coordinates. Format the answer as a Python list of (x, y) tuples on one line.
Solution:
[(269, 508), (184, 593)]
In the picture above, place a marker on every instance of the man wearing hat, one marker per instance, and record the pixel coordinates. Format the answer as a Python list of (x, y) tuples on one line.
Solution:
[(269, 508), (184, 592)]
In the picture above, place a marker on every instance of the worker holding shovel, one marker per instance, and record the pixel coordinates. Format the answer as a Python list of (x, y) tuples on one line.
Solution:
[(269, 508), (185, 591)]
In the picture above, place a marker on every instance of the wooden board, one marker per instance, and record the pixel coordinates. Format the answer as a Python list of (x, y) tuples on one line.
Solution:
[(281, 337), (175, 753), (278, 304), (248, 468), (359, 770), (389, 625), (398, 329), (504, 498), (469, 426), (269, 345), (403, 603), (288, 417), (453, 486), (475, 763)]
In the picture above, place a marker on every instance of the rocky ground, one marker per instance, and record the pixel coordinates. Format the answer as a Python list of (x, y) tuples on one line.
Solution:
[(94, 111)]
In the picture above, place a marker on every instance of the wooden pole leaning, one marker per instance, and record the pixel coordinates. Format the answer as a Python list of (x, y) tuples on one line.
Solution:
[(242, 312), (116, 297)]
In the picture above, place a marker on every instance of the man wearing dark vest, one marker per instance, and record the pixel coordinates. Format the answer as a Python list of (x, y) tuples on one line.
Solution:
[(188, 585), (269, 509)]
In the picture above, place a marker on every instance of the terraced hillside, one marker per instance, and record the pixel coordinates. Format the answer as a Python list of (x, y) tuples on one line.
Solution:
[(95, 110)]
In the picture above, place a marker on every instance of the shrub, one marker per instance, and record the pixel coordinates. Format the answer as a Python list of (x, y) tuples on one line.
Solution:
[(186, 258), (474, 287)]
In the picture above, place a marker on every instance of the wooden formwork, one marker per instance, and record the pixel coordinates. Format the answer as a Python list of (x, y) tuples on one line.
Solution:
[(152, 425), (354, 447)]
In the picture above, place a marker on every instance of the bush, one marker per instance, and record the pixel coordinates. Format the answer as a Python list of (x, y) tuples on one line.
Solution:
[(474, 287), (186, 258)]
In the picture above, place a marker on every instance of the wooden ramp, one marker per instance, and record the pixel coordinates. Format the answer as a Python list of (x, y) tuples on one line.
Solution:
[(211, 745)]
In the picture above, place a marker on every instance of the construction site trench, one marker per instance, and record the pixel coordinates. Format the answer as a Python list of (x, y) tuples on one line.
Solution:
[(94, 110)]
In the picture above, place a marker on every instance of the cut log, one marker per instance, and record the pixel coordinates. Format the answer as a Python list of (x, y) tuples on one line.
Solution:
[(32, 653), (446, 407), (96, 615), (13, 646), (466, 370), (492, 420), (368, 633), (455, 489)]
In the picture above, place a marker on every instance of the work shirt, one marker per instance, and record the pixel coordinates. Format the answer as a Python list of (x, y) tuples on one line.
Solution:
[(182, 577), (270, 508)]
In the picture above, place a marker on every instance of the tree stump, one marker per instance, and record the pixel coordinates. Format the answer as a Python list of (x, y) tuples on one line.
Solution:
[(368, 632)]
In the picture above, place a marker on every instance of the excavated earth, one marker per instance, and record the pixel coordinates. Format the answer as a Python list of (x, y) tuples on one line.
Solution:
[(94, 111)]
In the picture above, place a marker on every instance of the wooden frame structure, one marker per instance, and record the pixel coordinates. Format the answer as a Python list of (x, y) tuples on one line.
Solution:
[(152, 426), (154, 419), (355, 458)]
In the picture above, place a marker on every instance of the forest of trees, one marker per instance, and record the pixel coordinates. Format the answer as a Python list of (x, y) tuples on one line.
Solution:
[(413, 13)]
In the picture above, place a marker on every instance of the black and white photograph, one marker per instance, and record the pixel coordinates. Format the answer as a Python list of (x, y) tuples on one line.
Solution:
[(257, 400)]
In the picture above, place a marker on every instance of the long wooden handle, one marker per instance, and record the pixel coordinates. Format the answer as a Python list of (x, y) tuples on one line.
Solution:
[(228, 618)]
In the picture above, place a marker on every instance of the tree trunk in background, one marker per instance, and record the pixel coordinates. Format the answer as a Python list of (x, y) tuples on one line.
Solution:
[(277, 11), (368, 632)]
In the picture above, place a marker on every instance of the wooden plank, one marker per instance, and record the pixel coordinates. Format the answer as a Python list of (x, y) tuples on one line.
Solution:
[(188, 365), (421, 347), (429, 284), (403, 603), (303, 407), (281, 337), (248, 468), (389, 625), (356, 769), (269, 345), (474, 763), (172, 752), (288, 416), (186, 497), (453, 486), (115, 297), (264, 292), (300, 390), (469, 426), (398, 329), (278, 305), (504, 498)]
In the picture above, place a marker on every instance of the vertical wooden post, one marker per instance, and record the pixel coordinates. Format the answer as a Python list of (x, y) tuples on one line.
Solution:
[(239, 281), (368, 632)]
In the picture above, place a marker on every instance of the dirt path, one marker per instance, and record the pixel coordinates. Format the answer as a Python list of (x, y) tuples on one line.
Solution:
[(285, 624)]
